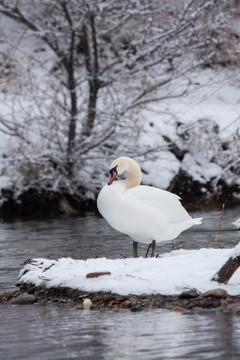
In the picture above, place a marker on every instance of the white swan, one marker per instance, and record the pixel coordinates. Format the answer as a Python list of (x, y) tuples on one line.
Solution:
[(145, 213), (237, 223)]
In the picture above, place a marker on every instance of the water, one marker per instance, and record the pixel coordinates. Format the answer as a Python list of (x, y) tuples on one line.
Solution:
[(34, 332), (51, 332)]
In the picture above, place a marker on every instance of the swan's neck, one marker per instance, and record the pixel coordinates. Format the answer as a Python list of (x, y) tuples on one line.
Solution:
[(134, 175)]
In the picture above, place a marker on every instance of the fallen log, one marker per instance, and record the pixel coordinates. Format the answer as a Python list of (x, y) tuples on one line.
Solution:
[(229, 268)]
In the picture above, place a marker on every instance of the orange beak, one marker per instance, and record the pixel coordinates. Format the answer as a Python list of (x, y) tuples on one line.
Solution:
[(112, 177)]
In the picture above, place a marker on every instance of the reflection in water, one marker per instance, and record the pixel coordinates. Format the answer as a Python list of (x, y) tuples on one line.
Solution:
[(59, 333), (49, 332), (165, 335)]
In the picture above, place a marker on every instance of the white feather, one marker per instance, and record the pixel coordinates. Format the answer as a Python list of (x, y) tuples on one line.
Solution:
[(144, 213)]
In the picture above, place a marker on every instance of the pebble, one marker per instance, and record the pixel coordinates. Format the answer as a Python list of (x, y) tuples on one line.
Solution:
[(5, 296), (126, 304), (190, 306), (235, 307), (87, 303), (188, 294), (144, 296), (136, 308), (197, 308), (177, 308), (23, 299), (218, 293), (216, 299)]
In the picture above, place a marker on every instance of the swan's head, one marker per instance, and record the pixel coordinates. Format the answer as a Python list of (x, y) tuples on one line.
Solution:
[(122, 164)]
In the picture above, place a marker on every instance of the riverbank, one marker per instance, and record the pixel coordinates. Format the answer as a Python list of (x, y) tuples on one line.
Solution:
[(39, 203), (187, 302), (130, 283)]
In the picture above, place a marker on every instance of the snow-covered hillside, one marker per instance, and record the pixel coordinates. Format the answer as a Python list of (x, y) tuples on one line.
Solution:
[(187, 142), (205, 126)]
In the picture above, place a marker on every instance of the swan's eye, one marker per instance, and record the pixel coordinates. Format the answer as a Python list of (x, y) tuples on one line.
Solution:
[(122, 176), (113, 170)]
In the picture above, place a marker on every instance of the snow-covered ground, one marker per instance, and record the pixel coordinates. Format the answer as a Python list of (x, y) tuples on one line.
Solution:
[(169, 274)]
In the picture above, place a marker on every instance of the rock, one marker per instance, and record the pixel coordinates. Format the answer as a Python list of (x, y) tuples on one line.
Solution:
[(23, 299), (5, 296), (177, 308), (235, 307), (218, 293), (197, 308), (126, 304), (189, 294), (87, 303), (204, 311), (190, 306), (136, 308), (144, 296)]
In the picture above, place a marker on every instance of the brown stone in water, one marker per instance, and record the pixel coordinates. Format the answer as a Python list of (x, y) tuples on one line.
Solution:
[(5, 297), (126, 304), (197, 308), (96, 274), (218, 293), (23, 299), (235, 306), (177, 308), (113, 302)]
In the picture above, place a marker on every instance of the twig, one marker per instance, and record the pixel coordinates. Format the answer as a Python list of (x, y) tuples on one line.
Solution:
[(48, 267), (49, 257), (97, 274), (219, 227)]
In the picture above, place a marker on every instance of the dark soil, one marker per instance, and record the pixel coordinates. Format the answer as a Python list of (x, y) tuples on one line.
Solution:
[(39, 202), (68, 297)]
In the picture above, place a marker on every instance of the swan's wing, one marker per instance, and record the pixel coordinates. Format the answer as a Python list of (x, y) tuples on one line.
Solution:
[(158, 200)]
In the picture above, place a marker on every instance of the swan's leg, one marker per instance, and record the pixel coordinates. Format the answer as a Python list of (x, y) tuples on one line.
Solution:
[(153, 244), (149, 246), (135, 246)]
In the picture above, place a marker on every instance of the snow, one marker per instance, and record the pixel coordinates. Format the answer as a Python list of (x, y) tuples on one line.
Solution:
[(169, 274), (162, 171), (235, 252), (210, 116), (26, 103)]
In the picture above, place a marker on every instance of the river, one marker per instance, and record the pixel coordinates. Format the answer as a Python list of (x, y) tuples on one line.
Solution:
[(51, 332)]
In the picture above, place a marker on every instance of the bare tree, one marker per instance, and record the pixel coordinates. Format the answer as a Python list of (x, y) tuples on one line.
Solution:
[(110, 58)]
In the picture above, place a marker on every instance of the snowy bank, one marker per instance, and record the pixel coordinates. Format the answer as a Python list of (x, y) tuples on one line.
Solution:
[(169, 274)]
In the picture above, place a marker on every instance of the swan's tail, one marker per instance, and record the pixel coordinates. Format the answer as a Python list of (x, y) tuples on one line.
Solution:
[(196, 221)]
